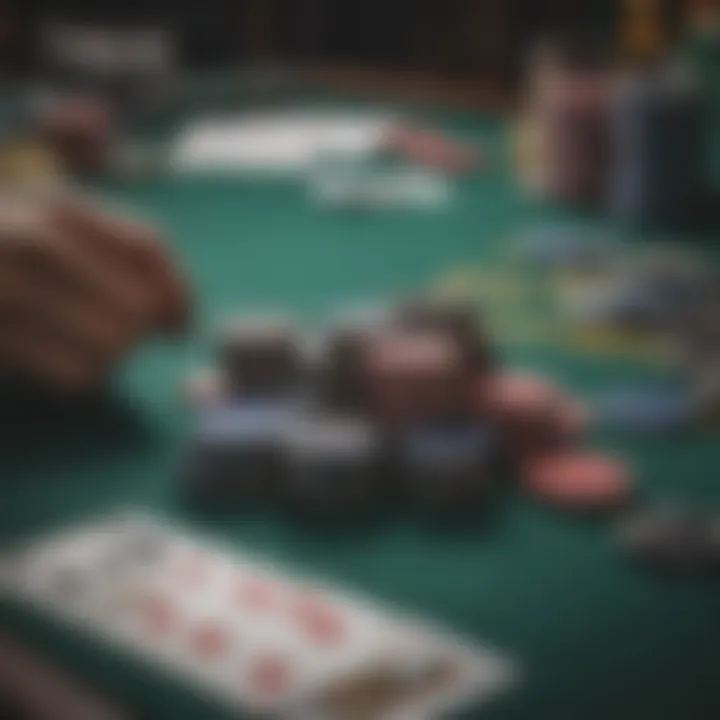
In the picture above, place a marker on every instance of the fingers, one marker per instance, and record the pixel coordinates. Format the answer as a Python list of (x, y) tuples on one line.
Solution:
[(78, 288), (27, 351), (57, 267), (54, 338), (136, 247), (86, 325)]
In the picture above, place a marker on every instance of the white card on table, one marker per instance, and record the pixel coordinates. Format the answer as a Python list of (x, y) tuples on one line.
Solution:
[(255, 637)]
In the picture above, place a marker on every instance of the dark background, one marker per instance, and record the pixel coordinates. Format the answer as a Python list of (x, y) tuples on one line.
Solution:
[(468, 38)]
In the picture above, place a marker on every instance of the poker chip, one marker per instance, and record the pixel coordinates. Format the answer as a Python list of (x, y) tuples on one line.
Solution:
[(578, 480), (260, 354), (415, 375), (670, 539), (235, 455), (564, 247), (448, 467), (516, 394), (647, 409), (705, 398), (454, 317), (526, 408), (711, 539), (330, 464)]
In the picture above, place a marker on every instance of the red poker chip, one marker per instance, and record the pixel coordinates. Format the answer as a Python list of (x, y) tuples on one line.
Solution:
[(270, 675), (320, 621), (511, 395), (578, 480), (256, 593), (209, 641)]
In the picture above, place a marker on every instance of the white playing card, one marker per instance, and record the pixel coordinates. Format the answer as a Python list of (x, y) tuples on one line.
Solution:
[(257, 638)]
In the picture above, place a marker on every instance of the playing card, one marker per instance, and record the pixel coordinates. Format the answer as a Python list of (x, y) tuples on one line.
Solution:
[(257, 638)]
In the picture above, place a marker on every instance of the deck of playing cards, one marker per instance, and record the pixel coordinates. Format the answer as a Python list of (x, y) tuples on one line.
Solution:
[(257, 638)]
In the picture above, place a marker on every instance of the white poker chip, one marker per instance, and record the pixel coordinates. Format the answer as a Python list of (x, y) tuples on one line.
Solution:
[(331, 436), (256, 328)]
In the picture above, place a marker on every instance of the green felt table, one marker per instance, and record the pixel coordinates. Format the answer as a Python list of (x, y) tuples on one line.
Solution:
[(595, 637)]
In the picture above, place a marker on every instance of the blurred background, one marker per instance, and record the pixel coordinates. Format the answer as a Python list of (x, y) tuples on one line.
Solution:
[(550, 166)]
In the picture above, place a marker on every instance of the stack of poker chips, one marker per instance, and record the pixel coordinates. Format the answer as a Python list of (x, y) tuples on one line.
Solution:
[(657, 138), (407, 406), (633, 144), (574, 135), (565, 130)]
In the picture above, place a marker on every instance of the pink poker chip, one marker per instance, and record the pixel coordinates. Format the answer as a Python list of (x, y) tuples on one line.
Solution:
[(516, 394), (578, 480)]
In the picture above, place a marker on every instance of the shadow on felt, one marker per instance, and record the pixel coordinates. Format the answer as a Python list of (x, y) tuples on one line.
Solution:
[(37, 428)]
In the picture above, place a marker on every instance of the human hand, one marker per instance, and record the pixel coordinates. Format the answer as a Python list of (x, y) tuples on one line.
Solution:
[(80, 286)]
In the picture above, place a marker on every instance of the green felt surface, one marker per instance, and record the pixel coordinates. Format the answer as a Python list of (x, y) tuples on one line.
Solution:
[(595, 637)]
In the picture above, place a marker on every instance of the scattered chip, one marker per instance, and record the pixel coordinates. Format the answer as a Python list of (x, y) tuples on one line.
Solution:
[(578, 480), (647, 409), (564, 247), (673, 539)]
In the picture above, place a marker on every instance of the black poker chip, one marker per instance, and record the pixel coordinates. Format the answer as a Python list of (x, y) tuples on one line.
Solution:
[(669, 539)]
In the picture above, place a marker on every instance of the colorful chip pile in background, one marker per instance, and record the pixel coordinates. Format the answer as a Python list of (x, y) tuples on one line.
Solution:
[(402, 407), (632, 142)]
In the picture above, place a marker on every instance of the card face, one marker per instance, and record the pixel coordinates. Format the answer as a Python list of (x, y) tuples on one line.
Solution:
[(256, 637)]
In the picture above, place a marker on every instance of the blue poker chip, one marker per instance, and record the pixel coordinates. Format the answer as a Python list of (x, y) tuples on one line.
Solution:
[(640, 306), (564, 248), (637, 306), (245, 422), (647, 410), (444, 446)]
